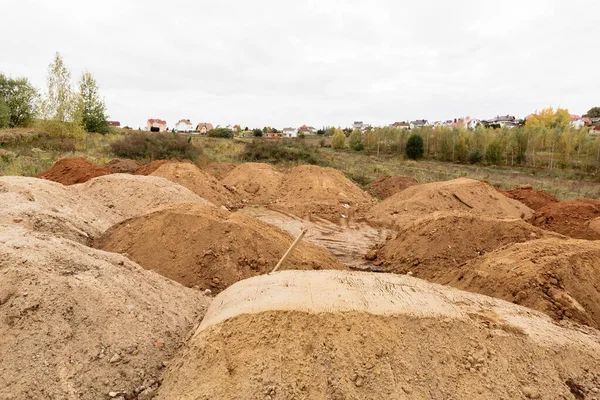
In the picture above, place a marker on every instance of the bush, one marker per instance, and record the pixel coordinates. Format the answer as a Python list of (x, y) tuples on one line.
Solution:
[(475, 156), (257, 132), (155, 146), (356, 140), (461, 152), (60, 129), (414, 147), (339, 140), (220, 133), (493, 153), (282, 150), (4, 114)]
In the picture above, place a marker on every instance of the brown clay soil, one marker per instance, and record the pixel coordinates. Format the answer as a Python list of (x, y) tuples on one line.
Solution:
[(70, 171), (154, 165), (79, 323), (254, 183), (387, 186), (206, 247), (131, 195), (558, 277), (349, 243), (434, 244), (463, 194), (199, 182), (335, 335), (123, 166), (219, 169), (309, 191), (571, 218), (534, 199)]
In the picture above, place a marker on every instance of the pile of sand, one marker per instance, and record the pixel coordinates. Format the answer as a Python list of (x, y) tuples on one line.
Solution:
[(463, 194), (82, 323), (558, 277), (219, 169), (255, 183), (50, 207), (199, 182), (387, 186), (70, 171), (534, 199), (130, 195), (310, 191), (123, 166), (571, 218), (338, 335), (207, 247), (432, 245)]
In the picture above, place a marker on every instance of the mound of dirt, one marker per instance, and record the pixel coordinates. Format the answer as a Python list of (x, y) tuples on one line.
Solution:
[(129, 195), (558, 277), (219, 169), (207, 247), (123, 166), (434, 244), (70, 171), (82, 323), (199, 182), (310, 191), (50, 207), (534, 199), (571, 218), (461, 194), (255, 183), (338, 335), (387, 186)]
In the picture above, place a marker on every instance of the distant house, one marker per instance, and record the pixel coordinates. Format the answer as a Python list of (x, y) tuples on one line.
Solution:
[(401, 125), (184, 125), (275, 135), (595, 130), (114, 124), (156, 125), (204, 127), (508, 121), (289, 132), (234, 128), (595, 121), (418, 123), (577, 122), (305, 129)]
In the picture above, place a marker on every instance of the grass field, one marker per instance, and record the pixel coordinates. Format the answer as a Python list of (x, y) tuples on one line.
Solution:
[(28, 153)]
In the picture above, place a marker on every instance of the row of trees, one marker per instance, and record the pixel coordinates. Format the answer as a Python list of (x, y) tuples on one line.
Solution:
[(21, 102), (546, 140)]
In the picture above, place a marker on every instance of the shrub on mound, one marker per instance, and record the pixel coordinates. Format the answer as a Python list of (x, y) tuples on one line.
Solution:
[(155, 146)]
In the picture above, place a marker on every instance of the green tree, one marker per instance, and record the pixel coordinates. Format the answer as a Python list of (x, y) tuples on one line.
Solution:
[(60, 103), (21, 98), (594, 112), (91, 106), (257, 132), (415, 147), (339, 139), (4, 114), (493, 154), (355, 141)]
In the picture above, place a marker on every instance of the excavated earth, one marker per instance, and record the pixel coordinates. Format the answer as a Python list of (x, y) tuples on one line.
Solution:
[(442, 241), (572, 218), (79, 323), (556, 276), (206, 247), (219, 169), (342, 335), (154, 165), (255, 183), (310, 192), (70, 171), (534, 199), (463, 194), (123, 166), (199, 182), (387, 186)]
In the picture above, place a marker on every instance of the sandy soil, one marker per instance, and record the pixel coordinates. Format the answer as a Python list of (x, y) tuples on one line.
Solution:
[(340, 335), (123, 166), (255, 183), (387, 186), (78, 323), (209, 248), (534, 199), (571, 218), (219, 169)]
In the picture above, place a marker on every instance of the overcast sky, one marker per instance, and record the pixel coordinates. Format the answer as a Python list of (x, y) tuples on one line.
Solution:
[(325, 62)]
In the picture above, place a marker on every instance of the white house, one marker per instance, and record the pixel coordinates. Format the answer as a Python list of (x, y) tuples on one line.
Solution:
[(184, 125), (471, 123), (289, 132), (418, 123), (156, 125), (577, 122)]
